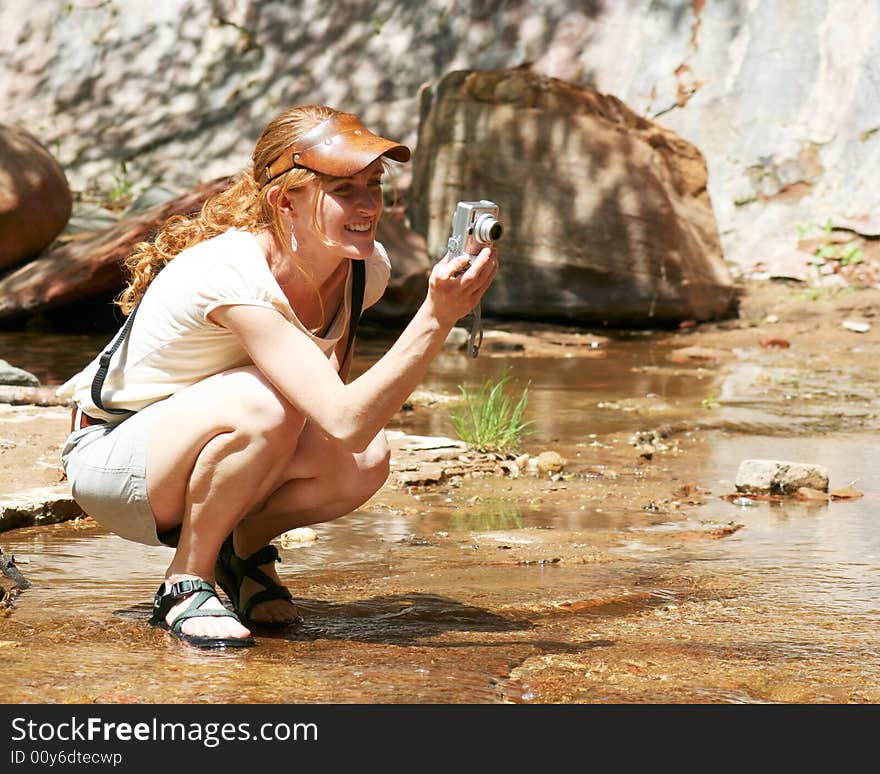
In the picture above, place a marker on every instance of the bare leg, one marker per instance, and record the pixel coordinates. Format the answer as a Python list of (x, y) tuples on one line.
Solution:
[(322, 483), (216, 452), (231, 451)]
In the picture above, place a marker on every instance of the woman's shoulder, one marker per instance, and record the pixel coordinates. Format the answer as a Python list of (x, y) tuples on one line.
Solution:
[(233, 247), (231, 258), (233, 241)]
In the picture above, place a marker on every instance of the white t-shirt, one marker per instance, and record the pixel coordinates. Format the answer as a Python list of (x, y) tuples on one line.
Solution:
[(172, 344)]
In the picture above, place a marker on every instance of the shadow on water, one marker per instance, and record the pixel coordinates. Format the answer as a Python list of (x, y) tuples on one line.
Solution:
[(399, 619)]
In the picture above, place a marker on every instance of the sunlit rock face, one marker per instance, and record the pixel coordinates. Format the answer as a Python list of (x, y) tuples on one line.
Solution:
[(781, 99), (607, 217)]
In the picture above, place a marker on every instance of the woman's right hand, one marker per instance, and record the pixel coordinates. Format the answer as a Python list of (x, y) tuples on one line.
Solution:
[(454, 288)]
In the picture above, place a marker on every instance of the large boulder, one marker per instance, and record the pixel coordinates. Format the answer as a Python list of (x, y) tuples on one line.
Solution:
[(607, 215), (35, 199)]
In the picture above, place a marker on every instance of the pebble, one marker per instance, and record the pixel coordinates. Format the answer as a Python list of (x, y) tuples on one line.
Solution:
[(779, 476), (856, 326), (550, 462), (297, 537)]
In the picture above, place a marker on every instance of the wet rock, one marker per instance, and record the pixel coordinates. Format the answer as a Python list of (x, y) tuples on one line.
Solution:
[(536, 340), (808, 494), (414, 443), (427, 473), (504, 347), (699, 355), (11, 571), (522, 460), (648, 442), (549, 462), (846, 493), (297, 537), (775, 341), (16, 377), (779, 477), (35, 507)]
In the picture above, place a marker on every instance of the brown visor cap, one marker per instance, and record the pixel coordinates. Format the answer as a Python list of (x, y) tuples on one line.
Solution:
[(340, 146)]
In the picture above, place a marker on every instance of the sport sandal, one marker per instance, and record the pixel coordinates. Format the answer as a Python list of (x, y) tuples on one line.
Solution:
[(231, 570), (201, 591)]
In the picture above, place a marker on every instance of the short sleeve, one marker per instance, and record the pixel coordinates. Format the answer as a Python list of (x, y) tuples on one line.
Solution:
[(239, 278), (378, 272)]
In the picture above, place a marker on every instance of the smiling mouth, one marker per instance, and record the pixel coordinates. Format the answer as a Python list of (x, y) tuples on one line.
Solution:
[(359, 228)]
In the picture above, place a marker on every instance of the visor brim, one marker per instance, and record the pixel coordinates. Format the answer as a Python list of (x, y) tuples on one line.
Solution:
[(340, 147)]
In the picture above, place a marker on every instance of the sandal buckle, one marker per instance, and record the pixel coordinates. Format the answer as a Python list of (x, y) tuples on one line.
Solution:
[(188, 586)]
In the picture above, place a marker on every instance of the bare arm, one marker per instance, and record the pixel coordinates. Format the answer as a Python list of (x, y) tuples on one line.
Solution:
[(354, 413)]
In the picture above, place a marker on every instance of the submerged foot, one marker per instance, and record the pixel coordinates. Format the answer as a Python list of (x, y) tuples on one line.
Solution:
[(275, 612), (220, 627), (253, 586)]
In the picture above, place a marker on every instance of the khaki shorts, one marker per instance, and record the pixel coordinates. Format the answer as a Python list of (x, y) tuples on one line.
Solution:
[(106, 467)]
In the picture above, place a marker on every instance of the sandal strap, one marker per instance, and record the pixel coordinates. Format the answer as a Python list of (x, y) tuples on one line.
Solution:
[(233, 569), (265, 555), (196, 611), (273, 591), (187, 586), (165, 600)]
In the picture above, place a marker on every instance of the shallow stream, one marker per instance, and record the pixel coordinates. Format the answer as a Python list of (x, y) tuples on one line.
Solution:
[(605, 585)]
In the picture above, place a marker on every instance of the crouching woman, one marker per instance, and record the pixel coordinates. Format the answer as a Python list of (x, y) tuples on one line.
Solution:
[(224, 416)]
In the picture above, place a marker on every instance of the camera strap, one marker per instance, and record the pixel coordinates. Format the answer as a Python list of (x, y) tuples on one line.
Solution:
[(476, 338), (104, 366)]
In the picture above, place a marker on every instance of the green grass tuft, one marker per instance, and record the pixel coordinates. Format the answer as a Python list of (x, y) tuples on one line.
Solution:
[(489, 420)]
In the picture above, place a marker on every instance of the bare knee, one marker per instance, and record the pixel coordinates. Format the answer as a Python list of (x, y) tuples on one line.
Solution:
[(264, 413), (373, 465)]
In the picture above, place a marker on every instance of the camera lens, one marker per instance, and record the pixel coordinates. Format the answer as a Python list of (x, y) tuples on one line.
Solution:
[(487, 229)]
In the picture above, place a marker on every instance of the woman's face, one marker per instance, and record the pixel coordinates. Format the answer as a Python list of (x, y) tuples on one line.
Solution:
[(348, 213)]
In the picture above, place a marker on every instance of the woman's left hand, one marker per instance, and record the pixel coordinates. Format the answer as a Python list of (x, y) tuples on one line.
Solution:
[(457, 284)]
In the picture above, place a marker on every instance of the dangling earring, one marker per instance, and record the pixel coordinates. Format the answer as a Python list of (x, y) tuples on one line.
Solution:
[(293, 242)]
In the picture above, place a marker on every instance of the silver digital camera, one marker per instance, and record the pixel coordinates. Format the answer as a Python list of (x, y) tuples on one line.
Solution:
[(475, 225)]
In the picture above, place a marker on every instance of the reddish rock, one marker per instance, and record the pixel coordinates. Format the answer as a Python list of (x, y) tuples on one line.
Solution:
[(775, 341), (699, 355), (35, 199)]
